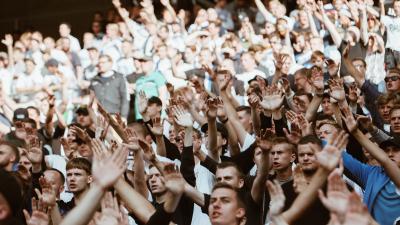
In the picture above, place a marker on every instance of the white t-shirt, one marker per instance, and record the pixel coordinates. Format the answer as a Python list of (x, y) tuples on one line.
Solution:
[(393, 32)]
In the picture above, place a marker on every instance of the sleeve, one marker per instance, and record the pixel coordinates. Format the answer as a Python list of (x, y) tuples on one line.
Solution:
[(160, 80), (265, 121), (210, 164), (386, 20), (357, 169), (204, 209), (160, 217), (124, 98), (371, 93), (187, 165), (244, 159), (279, 125)]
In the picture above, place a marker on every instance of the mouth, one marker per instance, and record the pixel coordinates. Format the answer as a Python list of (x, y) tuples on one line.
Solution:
[(215, 215), (276, 164)]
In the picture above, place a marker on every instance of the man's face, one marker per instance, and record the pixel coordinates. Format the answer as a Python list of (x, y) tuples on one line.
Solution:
[(24, 161), (54, 178), (230, 176), (326, 131), (394, 154), (224, 208), (245, 119), (64, 30), (318, 61), (83, 120), (78, 180), (104, 65), (384, 111), (395, 121), (392, 82), (327, 106), (282, 157), (153, 110), (85, 151), (307, 158), (155, 183), (300, 81), (7, 156), (301, 103)]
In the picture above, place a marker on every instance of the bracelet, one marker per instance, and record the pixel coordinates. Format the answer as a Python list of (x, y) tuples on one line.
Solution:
[(224, 121)]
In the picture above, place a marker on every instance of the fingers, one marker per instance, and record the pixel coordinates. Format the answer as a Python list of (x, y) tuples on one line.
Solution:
[(27, 216)]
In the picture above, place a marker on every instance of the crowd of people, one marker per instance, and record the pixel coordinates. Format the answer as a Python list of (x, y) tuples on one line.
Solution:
[(228, 113)]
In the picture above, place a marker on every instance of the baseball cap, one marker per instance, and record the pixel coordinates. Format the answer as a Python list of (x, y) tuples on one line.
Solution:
[(20, 114), (82, 110)]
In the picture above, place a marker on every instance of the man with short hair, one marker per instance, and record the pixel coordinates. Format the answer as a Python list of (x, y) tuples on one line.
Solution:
[(110, 88), (9, 155), (79, 177), (226, 206), (83, 118), (65, 32)]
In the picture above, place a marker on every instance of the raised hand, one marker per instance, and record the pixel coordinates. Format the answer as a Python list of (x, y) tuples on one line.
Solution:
[(37, 218), (69, 152), (48, 195), (212, 108), (182, 117), (210, 72), (254, 100), (330, 155), (34, 149), (357, 213), (264, 140), (299, 180), (133, 141), (107, 171), (337, 195), (100, 151), (147, 151), (82, 134), (280, 59), (110, 211), (142, 102), (349, 120), (294, 135), (173, 179), (277, 198), (336, 90), (8, 40), (120, 120), (273, 98), (317, 80), (116, 3), (157, 128), (304, 125), (221, 110)]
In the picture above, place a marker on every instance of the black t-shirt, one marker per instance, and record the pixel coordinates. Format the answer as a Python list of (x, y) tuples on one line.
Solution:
[(160, 217), (65, 207), (183, 213), (316, 214)]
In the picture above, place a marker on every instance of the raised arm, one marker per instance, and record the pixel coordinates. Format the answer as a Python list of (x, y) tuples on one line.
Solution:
[(262, 163), (356, 74), (337, 39), (49, 126), (328, 159), (390, 166), (105, 173), (264, 11), (364, 23)]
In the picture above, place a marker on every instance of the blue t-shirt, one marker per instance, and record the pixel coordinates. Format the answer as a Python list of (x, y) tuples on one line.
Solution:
[(150, 85), (386, 209)]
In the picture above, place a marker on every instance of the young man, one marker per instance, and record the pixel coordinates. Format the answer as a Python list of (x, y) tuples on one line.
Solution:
[(226, 206), (78, 182), (9, 155)]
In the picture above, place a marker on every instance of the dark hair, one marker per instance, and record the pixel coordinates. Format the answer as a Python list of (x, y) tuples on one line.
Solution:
[(79, 163), (310, 139), (67, 24), (283, 140), (301, 93), (34, 108), (243, 108), (223, 185), (224, 165)]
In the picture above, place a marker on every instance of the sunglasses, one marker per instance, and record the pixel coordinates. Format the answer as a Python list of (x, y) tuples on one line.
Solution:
[(394, 78)]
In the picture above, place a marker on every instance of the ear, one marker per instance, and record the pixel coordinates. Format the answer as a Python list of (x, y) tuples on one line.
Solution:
[(90, 179), (224, 141), (4, 209), (61, 189), (293, 158), (240, 213), (241, 183)]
